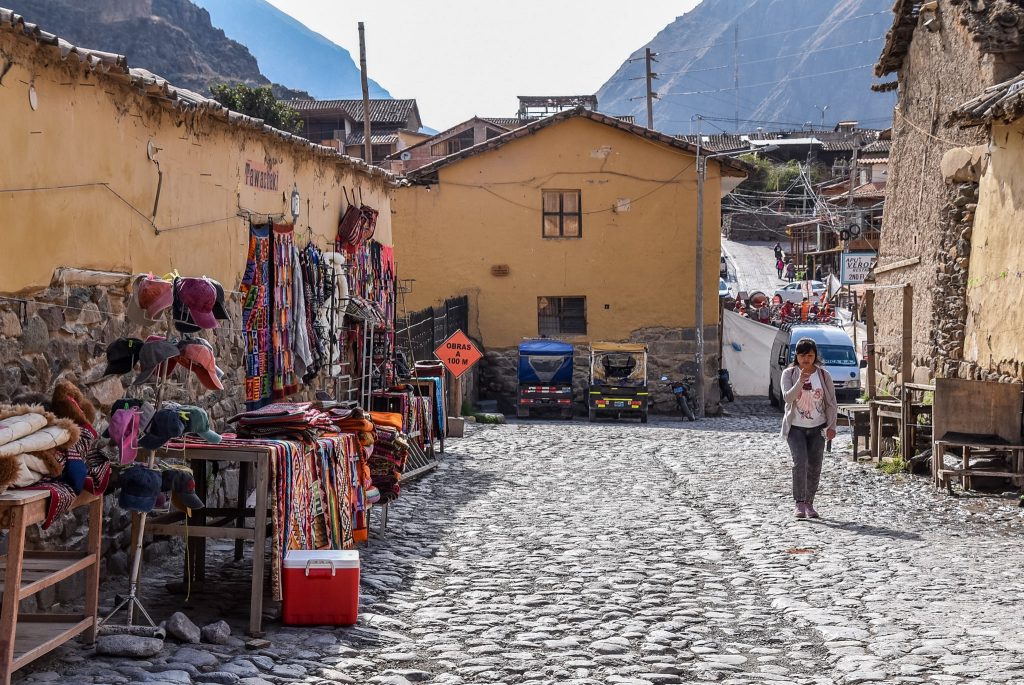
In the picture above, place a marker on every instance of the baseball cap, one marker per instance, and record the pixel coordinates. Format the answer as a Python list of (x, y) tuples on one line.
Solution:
[(198, 422), (153, 296), (124, 430), (182, 486), (198, 296), (122, 355), (155, 351), (165, 425), (198, 358), (139, 488), (219, 311)]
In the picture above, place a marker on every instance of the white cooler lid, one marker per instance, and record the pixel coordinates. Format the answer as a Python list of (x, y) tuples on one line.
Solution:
[(342, 558)]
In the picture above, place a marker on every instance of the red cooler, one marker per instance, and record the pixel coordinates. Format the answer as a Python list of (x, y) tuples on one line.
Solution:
[(321, 587)]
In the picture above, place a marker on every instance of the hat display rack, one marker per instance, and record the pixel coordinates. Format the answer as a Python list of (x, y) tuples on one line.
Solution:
[(131, 602)]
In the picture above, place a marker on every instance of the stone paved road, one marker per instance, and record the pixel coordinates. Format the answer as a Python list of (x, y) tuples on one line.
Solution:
[(621, 553)]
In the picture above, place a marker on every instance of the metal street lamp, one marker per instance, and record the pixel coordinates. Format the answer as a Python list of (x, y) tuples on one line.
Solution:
[(822, 110), (702, 168)]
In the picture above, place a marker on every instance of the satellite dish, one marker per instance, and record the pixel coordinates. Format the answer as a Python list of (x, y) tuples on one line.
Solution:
[(405, 156)]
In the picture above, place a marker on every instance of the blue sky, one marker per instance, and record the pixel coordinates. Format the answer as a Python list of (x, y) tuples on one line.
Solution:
[(461, 58)]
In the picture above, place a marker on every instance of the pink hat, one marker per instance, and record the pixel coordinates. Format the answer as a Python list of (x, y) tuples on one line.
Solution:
[(154, 295), (200, 296), (124, 430), (198, 358)]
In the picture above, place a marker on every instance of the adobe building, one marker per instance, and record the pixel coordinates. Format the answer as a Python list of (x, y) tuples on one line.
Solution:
[(577, 226), (943, 54)]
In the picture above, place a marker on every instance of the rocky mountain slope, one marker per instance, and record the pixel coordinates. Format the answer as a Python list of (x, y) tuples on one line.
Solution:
[(288, 52), (171, 38), (796, 59)]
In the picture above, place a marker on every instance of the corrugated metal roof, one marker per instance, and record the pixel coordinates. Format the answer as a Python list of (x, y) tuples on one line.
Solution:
[(426, 173), (375, 139), (381, 110), (149, 84)]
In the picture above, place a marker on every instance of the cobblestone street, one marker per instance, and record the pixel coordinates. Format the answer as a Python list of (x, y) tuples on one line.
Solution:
[(583, 553)]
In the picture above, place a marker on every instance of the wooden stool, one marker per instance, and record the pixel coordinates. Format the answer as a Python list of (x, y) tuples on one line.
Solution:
[(25, 638)]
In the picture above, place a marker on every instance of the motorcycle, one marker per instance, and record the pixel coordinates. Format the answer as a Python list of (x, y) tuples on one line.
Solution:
[(681, 391), (725, 386)]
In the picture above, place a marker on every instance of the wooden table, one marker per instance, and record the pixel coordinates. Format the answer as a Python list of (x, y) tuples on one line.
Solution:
[(880, 411), (858, 418), (26, 637), (224, 522)]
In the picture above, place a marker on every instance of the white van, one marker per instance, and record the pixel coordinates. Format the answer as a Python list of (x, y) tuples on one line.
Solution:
[(835, 349)]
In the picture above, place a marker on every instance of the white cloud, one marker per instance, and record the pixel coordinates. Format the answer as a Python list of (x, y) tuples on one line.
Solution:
[(460, 58)]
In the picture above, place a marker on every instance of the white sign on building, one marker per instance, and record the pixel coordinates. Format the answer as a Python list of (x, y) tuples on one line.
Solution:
[(854, 267)]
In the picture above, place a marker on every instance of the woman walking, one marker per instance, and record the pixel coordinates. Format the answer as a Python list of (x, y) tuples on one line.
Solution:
[(779, 266), (810, 419)]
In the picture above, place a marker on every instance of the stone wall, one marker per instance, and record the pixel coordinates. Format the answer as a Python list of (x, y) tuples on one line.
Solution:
[(671, 352), (942, 70)]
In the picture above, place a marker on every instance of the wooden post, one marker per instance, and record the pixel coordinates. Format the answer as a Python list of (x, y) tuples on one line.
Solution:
[(367, 133), (906, 414), (873, 428), (869, 307)]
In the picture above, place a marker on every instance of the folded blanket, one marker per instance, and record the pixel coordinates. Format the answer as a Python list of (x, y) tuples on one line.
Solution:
[(58, 433), (21, 420)]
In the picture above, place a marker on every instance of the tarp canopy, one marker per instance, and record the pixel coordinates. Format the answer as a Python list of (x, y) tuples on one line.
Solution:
[(617, 347), (554, 347), (618, 364), (746, 352)]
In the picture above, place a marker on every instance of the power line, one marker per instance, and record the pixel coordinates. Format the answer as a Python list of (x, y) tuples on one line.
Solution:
[(778, 33), (769, 59), (770, 83)]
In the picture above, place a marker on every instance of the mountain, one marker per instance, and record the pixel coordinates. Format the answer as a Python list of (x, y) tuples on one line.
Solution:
[(171, 38), (288, 52), (798, 61)]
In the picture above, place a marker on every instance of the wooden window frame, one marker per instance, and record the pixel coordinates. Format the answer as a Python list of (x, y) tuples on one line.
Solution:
[(558, 302), (561, 214)]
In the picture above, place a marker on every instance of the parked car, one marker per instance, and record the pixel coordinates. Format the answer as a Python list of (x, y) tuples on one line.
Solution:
[(723, 288), (837, 354), (797, 291), (723, 268)]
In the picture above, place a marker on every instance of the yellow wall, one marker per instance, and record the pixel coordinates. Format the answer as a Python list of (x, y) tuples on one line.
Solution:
[(90, 129), (487, 211), (995, 285)]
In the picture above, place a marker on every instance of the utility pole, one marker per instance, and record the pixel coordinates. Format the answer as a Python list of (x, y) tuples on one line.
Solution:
[(736, 73), (699, 269), (367, 146), (649, 59)]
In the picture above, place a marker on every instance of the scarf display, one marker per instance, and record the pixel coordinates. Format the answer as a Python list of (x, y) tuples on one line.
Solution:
[(283, 380), (255, 290)]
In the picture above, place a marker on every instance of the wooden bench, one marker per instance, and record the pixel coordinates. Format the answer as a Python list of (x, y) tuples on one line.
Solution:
[(25, 637), (976, 416)]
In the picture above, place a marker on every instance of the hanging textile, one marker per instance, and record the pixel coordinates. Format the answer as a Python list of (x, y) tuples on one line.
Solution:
[(283, 380), (255, 290)]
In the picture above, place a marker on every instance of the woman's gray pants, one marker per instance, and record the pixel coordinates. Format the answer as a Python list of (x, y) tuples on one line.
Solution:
[(807, 446)]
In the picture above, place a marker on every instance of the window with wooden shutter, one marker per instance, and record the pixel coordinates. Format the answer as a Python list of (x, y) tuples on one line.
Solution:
[(562, 214)]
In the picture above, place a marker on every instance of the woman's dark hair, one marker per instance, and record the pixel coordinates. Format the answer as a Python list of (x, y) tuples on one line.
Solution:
[(805, 345)]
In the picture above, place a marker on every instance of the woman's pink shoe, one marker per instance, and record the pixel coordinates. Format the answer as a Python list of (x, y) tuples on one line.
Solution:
[(801, 511), (810, 512)]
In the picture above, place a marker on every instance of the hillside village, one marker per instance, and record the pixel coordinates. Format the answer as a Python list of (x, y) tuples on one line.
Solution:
[(298, 389)]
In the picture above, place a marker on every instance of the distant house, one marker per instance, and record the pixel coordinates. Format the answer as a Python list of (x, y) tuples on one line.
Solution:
[(480, 129), (578, 226), (394, 124)]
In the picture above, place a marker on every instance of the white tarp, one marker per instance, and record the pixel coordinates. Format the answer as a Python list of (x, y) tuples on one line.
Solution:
[(746, 349)]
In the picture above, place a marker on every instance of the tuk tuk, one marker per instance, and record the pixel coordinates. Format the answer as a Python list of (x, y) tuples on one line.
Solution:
[(618, 380), (545, 378)]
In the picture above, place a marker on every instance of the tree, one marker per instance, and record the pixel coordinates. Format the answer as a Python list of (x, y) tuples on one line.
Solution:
[(259, 103)]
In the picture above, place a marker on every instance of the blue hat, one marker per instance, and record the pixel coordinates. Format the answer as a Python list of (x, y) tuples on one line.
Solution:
[(165, 425), (139, 488)]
